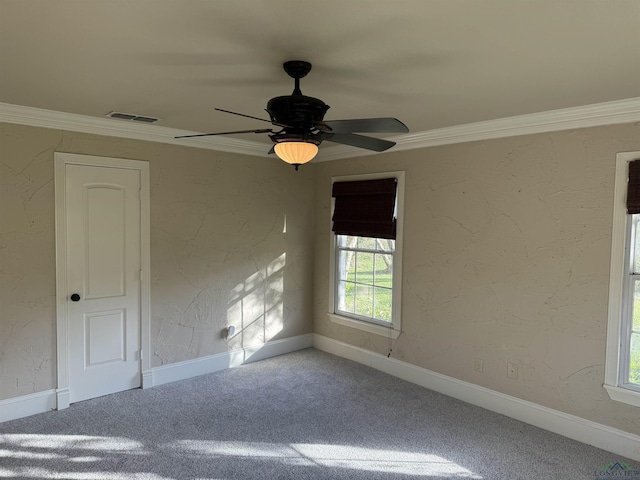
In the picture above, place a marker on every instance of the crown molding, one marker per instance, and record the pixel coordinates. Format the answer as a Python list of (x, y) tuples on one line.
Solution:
[(111, 127), (608, 113), (599, 114)]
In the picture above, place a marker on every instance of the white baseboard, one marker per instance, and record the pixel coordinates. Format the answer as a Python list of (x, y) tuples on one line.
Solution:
[(62, 398), (26, 405), (147, 378), (221, 361), (576, 428)]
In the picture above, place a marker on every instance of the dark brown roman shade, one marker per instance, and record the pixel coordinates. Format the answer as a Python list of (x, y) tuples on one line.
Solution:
[(365, 208), (633, 188)]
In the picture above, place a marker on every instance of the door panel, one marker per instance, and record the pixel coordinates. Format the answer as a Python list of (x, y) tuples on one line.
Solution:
[(106, 248), (103, 267), (103, 325)]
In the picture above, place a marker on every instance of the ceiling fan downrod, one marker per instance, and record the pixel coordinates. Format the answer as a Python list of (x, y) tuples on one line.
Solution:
[(297, 69)]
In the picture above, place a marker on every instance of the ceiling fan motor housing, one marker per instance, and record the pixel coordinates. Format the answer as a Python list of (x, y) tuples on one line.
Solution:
[(299, 111)]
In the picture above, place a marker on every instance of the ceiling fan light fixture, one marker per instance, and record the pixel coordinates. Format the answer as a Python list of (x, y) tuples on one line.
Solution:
[(296, 153)]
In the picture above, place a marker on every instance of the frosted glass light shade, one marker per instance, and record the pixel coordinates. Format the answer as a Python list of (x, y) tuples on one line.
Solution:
[(296, 153)]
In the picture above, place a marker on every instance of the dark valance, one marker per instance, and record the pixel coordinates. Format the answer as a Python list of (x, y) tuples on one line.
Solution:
[(365, 208), (633, 188)]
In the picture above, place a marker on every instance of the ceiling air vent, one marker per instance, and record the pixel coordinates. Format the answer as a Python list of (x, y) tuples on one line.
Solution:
[(129, 116)]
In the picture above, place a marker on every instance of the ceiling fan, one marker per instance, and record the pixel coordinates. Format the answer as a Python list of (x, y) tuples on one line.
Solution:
[(303, 128)]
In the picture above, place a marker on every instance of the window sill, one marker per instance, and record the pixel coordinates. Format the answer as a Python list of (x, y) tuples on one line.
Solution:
[(387, 332), (623, 395)]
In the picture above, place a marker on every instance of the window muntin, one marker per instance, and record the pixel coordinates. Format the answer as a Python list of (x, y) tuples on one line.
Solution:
[(364, 286)]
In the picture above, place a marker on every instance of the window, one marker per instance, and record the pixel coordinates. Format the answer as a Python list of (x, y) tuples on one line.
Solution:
[(630, 366), (365, 277), (366, 252), (622, 363)]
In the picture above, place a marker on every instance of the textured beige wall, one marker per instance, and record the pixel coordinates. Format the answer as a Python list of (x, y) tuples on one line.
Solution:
[(231, 241), (506, 258)]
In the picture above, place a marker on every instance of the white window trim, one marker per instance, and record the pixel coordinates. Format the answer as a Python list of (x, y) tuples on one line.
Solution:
[(614, 355), (394, 329)]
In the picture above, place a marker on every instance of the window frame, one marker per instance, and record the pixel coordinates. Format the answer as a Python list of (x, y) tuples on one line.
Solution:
[(617, 356), (392, 329)]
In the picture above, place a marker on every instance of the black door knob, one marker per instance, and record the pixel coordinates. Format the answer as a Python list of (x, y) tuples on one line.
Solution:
[(75, 297)]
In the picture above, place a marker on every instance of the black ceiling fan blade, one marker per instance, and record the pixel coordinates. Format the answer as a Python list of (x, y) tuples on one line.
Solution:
[(360, 141), (263, 130), (367, 125), (255, 118)]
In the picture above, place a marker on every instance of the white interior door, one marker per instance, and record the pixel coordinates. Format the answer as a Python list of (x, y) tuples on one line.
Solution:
[(102, 208)]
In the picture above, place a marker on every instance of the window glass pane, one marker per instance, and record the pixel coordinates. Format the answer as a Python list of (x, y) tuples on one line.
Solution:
[(636, 260), (384, 245), (366, 243), (347, 241), (636, 306), (382, 304), (634, 357), (364, 300), (346, 297), (347, 265), (384, 270), (364, 267)]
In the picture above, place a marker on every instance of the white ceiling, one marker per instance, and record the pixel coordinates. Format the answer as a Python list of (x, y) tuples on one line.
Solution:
[(430, 63)]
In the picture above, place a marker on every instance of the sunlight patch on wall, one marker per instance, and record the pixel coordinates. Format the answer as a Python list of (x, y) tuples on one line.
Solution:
[(256, 307)]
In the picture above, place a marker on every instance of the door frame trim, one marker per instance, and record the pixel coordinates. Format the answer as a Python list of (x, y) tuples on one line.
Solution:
[(61, 160)]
